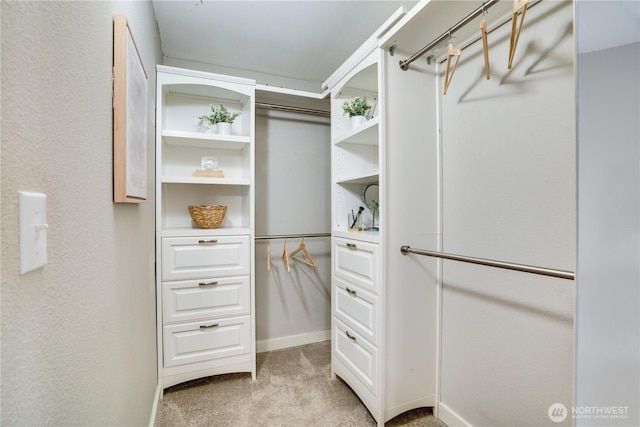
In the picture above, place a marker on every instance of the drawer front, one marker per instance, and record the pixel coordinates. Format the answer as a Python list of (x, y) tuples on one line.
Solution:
[(208, 340), (357, 308), (210, 256), (357, 262), (359, 355), (189, 300)]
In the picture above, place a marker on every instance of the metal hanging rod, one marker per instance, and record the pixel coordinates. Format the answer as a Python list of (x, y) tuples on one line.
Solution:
[(293, 109), (292, 236), (404, 65), (562, 274)]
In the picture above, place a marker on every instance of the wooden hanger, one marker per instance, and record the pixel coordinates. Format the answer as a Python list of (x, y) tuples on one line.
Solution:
[(447, 77), (485, 47), (518, 6), (269, 255), (303, 248), (285, 257)]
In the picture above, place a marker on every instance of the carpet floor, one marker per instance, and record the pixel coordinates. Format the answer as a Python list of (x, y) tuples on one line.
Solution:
[(293, 388)]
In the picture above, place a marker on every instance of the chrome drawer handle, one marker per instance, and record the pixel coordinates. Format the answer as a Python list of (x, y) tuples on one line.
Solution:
[(213, 325), (351, 291), (351, 337), (208, 284), (352, 245), (205, 242)]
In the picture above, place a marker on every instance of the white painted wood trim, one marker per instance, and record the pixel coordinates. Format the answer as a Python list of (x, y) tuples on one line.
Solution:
[(450, 417), (293, 92), (363, 51), (156, 402), (204, 75), (292, 341)]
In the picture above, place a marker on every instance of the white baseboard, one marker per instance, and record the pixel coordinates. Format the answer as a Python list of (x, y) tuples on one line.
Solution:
[(292, 341), (156, 402), (450, 417)]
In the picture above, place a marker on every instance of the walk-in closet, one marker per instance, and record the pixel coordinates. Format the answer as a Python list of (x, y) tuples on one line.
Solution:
[(371, 213)]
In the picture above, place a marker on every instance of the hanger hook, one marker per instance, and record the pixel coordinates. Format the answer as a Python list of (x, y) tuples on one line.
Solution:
[(449, 35), (484, 11)]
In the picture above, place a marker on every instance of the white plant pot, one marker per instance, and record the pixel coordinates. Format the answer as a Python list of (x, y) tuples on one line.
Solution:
[(357, 121), (224, 128)]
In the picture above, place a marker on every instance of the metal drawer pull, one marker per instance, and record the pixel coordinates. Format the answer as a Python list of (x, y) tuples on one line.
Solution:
[(208, 284), (213, 325), (351, 337), (352, 245), (204, 242), (351, 291)]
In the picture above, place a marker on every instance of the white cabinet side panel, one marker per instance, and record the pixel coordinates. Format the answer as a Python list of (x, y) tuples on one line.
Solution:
[(412, 214)]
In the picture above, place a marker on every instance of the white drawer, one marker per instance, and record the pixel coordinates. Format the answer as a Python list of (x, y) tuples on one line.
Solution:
[(357, 262), (357, 308), (207, 340), (202, 257), (205, 298), (358, 354)]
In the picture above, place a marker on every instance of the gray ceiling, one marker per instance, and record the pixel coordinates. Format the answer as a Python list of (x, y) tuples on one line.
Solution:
[(309, 39), (301, 39)]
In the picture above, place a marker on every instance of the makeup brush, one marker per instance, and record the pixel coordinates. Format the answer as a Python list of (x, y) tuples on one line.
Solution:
[(355, 219)]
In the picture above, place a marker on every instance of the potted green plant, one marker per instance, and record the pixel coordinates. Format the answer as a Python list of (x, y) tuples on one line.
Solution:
[(356, 109), (221, 118)]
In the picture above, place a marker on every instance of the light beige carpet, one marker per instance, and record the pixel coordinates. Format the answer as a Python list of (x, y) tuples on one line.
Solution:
[(293, 388)]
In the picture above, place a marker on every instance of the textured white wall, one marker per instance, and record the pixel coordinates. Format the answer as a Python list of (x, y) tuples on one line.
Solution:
[(78, 336)]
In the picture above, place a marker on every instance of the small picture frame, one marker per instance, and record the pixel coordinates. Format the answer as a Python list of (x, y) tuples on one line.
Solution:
[(371, 112), (129, 117)]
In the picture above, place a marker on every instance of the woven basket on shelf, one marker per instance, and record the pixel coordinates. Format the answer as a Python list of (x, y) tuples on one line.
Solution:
[(207, 216)]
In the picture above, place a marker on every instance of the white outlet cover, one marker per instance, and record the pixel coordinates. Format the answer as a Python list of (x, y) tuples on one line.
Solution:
[(33, 230)]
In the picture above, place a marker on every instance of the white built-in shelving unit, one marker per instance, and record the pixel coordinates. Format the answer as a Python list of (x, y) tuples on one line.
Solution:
[(205, 277), (384, 314)]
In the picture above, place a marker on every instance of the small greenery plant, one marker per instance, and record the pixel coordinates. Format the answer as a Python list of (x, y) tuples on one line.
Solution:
[(219, 115), (356, 106)]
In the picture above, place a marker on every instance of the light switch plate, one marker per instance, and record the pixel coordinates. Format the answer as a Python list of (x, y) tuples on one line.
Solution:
[(33, 230)]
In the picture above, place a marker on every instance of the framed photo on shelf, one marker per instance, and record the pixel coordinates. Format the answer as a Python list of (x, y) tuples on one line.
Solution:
[(129, 117), (371, 113)]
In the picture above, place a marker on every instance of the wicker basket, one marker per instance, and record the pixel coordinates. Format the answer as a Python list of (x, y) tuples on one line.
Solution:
[(207, 216)]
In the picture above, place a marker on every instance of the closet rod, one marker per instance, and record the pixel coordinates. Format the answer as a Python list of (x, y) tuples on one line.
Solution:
[(292, 236), (404, 65), (293, 109), (562, 274)]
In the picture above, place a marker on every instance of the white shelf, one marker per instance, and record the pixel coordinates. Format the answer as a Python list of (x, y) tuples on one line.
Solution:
[(201, 180), (360, 179), (364, 236), (192, 231), (367, 134), (204, 140)]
